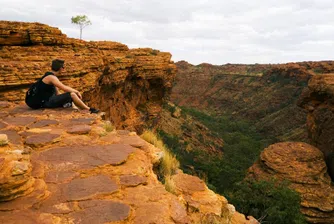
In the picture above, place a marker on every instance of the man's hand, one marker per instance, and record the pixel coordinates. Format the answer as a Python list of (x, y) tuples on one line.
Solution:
[(78, 93)]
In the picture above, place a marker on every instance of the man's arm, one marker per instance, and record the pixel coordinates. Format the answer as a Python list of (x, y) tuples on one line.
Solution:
[(51, 79), (57, 91)]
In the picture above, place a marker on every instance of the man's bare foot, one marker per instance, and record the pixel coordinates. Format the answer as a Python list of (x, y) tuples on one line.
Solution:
[(74, 107)]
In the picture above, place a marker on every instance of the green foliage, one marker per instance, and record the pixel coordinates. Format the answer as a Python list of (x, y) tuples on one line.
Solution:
[(274, 203), (279, 78), (82, 21), (252, 79), (241, 149), (269, 202)]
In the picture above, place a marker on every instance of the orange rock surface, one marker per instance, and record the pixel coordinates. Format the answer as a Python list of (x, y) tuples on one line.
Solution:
[(128, 84), (304, 166), (92, 176)]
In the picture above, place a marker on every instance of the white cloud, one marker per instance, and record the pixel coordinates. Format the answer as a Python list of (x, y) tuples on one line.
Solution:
[(236, 31)]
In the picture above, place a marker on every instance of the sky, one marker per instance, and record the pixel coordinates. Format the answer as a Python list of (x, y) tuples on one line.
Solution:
[(198, 31)]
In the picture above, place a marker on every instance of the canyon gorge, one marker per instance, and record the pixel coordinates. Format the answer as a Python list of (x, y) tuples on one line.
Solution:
[(204, 113)]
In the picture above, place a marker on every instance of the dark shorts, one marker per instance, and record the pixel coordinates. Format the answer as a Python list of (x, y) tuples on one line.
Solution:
[(58, 101)]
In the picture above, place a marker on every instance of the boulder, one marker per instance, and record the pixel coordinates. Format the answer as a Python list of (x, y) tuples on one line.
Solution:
[(304, 167)]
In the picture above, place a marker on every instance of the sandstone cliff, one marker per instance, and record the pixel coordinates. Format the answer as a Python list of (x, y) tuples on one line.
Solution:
[(264, 94), (128, 84), (64, 166), (304, 166), (318, 100)]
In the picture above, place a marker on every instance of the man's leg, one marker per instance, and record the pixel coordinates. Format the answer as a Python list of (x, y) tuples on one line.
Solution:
[(78, 102), (58, 100), (62, 99)]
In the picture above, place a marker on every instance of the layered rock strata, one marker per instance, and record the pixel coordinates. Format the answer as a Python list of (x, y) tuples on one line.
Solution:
[(92, 175), (128, 84), (16, 179), (318, 100), (304, 167)]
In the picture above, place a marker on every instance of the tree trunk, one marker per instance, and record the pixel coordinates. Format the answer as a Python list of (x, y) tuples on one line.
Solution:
[(80, 33)]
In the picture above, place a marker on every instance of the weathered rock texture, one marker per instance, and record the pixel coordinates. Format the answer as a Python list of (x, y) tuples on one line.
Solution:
[(304, 166), (128, 84), (93, 177), (318, 100), (264, 94)]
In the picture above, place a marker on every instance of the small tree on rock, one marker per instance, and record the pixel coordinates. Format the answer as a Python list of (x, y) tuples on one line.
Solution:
[(82, 21)]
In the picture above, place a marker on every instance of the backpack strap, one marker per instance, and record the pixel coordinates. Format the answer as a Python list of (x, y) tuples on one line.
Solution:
[(46, 74)]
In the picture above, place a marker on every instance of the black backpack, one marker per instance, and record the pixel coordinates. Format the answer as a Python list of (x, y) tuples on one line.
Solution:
[(33, 98)]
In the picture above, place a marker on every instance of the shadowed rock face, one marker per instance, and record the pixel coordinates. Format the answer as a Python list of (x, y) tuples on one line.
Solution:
[(304, 167), (318, 100), (128, 84)]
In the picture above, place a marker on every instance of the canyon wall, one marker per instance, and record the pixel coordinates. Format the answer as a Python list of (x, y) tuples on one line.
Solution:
[(264, 94), (318, 100)]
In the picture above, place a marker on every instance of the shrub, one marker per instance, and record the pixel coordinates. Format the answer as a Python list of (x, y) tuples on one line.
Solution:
[(267, 201), (169, 164), (150, 137), (170, 184), (3, 142), (318, 70), (154, 52), (169, 107), (108, 127)]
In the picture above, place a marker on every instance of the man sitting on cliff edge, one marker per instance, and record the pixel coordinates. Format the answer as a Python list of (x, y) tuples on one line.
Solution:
[(45, 92)]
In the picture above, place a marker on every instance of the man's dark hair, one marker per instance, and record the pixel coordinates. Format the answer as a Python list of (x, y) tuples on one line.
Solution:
[(57, 64)]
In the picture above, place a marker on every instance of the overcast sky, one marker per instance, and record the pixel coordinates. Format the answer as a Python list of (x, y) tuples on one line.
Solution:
[(213, 31)]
